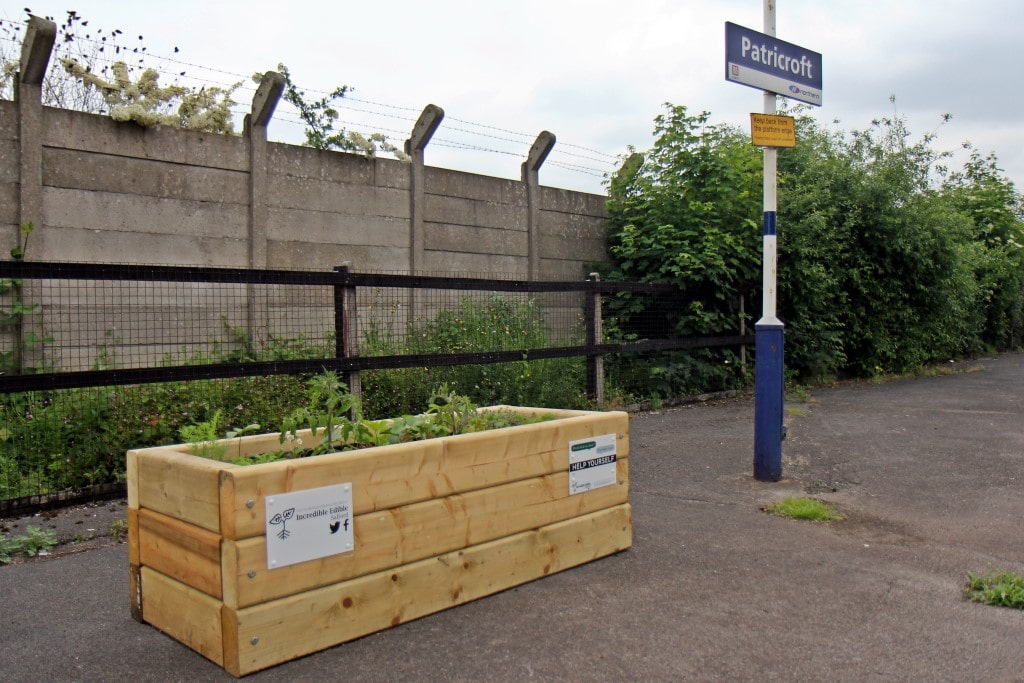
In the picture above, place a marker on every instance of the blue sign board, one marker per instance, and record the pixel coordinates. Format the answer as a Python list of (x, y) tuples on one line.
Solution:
[(767, 63)]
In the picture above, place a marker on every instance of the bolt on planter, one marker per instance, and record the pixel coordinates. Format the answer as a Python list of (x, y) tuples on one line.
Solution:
[(257, 565)]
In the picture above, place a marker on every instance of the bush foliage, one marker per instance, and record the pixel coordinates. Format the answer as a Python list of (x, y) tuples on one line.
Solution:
[(65, 439), (888, 259)]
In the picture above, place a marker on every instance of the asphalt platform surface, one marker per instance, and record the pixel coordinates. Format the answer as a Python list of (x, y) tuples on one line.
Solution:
[(929, 473)]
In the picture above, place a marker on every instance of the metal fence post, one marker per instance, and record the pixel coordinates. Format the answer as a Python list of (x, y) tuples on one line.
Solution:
[(595, 361), (346, 327), (743, 333)]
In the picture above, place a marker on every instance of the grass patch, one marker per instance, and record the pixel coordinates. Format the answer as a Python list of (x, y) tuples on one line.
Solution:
[(804, 508), (1001, 589), (798, 393)]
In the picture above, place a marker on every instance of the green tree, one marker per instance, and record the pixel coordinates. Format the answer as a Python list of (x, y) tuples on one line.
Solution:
[(983, 193), (686, 214), (875, 265), (887, 260)]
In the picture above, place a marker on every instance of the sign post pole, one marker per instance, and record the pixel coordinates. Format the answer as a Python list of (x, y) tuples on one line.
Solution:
[(769, 330), (762, 61)]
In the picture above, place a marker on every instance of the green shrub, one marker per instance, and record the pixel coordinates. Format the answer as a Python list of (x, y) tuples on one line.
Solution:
[(1002, 589)]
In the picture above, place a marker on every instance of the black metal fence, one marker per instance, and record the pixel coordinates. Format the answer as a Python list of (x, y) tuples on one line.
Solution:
[(78, 342)]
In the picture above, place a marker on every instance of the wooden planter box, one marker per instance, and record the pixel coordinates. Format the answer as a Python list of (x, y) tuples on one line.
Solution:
[(434, 523)]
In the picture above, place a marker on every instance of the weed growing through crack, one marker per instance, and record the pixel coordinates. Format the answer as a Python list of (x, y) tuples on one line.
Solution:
[(804, 508), (119, 529), (1002, 589), (34, 541)]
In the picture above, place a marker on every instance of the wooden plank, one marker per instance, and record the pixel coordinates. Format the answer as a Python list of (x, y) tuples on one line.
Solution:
[(135, 591), (132, 479), (134, 584), (229, 635), (132, 518), (179, 485), (390, 538), (182, 551), (284, 629), (402, 474), (185, 614)]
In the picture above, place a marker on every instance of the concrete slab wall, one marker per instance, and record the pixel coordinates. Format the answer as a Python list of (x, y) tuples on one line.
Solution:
[(120, 193)]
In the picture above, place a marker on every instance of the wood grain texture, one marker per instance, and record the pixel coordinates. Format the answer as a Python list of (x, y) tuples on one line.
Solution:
[(294, 626), (390, 538)]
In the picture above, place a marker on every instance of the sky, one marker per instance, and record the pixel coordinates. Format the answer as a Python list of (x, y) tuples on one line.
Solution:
[(593, 72)]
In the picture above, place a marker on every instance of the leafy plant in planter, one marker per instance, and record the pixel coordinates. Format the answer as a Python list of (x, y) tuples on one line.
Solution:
[(326, 417)]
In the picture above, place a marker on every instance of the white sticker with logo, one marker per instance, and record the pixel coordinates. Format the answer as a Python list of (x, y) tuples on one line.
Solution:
[(592, 463), (307, 525)]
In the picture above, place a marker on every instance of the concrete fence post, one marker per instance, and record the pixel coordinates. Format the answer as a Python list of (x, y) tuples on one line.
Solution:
[(255, 128), (531, 177), (424, 129), (35, 57), (28, 91), (422, 132)]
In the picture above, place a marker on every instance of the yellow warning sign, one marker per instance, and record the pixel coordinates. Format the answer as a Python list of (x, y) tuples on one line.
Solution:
[(771, 130)]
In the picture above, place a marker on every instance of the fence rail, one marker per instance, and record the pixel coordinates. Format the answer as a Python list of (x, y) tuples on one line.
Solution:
[(73, 326), (342, 280)]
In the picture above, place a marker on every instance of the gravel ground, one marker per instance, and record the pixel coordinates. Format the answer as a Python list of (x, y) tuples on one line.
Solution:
[(78, 528)]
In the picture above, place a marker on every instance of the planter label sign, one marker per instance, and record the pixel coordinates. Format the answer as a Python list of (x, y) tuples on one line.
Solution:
[(592, 463), (308, 525)]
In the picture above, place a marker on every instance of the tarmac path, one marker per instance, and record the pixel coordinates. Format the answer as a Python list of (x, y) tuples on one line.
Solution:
[(929, 473)]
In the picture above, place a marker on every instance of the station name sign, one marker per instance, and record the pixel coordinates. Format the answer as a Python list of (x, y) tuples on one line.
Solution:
[(767, 63)]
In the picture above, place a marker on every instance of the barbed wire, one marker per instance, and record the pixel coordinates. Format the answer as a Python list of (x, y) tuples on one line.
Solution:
[(375, 110)]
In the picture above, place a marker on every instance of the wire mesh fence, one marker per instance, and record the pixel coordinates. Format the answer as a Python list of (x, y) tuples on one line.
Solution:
[(97, 359)]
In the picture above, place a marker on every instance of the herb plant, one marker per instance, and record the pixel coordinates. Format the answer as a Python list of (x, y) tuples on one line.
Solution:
[(335, 423)]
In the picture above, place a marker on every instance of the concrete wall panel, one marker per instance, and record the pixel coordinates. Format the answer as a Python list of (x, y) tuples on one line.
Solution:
[(8, 120), (473, 240), (568, 248), (306, 162), (180, 219), (87, 171), (332, 228), (472, 212), (94, 133), (324, 257), (574, 226), (10, 168), (112, 246), (449, 183), (295, 192), (558, 269), (8, 204), (472, 265), (567, 201), (393, 173)]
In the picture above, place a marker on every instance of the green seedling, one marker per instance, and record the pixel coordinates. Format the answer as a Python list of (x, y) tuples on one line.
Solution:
[(1002, 589), (34, 541)]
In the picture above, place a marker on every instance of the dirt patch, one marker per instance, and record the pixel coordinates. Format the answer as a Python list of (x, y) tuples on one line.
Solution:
[(78, 528)]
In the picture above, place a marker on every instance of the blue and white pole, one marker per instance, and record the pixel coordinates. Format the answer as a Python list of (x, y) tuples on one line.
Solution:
[(769, 331)]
